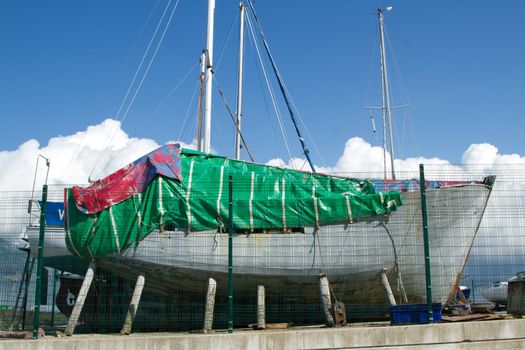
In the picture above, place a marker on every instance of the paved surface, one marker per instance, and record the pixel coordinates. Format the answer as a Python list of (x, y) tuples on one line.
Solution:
[(502, 334)]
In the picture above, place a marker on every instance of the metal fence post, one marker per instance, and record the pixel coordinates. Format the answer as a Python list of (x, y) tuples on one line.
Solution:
[(40, 263), (428, 277), (55, 276), (230, 255)]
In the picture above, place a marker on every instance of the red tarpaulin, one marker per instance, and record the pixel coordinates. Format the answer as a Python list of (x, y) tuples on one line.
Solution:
[(130, 180)]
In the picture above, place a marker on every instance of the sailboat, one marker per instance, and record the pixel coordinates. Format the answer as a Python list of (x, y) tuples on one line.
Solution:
[(168, 216)]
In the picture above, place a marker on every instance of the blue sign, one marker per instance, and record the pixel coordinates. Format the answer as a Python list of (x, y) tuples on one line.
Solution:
[(54, 213)]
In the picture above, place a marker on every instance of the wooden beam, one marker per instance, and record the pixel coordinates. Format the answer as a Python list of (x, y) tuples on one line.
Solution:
[(81, 298), (133, 306)]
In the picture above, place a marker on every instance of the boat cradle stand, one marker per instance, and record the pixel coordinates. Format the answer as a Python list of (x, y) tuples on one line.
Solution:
[(81, 298), (383, 278), (210, 305), (133, 305), (82, 295)]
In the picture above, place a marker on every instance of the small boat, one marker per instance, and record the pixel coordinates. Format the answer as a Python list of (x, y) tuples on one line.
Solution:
[(497, 293)]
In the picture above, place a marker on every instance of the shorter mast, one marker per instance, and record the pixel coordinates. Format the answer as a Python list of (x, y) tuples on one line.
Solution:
[(386, 96), (242, 9)]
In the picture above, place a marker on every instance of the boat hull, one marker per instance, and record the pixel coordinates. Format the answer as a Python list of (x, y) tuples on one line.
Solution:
[(289, 264)]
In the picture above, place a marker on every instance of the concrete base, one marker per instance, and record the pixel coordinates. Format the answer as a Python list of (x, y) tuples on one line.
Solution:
[(503, 334)]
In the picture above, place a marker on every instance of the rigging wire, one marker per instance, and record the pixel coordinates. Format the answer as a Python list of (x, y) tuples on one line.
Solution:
[(402, 86), (150, 62), (141, 31), (226, 42), (396, 66), (138, 88), (77, 150), (268, 85), (130, 87), (217, 65), (234, 121), (190, 111), (168, 96), (305, 128), (280, 82), (150, 116), (371, 66), (370, 69), (267, 113)]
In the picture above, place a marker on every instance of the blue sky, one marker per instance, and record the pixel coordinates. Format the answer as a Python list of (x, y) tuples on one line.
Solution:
[(65, 65)]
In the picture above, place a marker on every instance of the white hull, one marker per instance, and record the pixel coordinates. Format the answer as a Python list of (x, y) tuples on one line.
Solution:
[(497, 294), (350, 255)]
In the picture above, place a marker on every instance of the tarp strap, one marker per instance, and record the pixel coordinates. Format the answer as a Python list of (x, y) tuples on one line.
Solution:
[(115, 232), (188, 206), (284, 202), (316, 208), (251, 200), (219, 197), (348, 207)]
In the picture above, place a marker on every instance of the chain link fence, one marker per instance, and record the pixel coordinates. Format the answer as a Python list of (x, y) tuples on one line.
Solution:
[(278, 254)]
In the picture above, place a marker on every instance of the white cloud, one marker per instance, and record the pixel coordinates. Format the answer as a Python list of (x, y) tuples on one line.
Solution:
[(487, 154), (99, 150), (361, 159), (481, 153), (74, 157)]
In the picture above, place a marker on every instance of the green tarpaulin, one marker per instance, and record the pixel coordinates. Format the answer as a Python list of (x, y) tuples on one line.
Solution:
[(264, 198)]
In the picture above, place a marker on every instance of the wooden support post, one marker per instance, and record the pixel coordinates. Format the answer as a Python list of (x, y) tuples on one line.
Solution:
[(326, 300), (81, 298), (386, 286), (210, 305), (133, 306), (261, 308)]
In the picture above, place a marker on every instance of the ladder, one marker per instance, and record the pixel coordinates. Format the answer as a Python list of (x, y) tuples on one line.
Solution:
[(18, 320)]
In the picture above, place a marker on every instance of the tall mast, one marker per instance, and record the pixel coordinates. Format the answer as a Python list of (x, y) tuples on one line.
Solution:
[(384, 83), (209, 77), (242, 10), (383, 115)]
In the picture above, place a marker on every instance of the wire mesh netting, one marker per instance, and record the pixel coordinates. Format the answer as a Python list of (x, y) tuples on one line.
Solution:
[(315, 255)]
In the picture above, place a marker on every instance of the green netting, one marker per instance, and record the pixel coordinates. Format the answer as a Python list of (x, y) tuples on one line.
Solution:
[(264, 198)]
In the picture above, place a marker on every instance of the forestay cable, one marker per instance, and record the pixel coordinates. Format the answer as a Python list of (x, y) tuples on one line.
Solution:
[(268, 85), (281, 86)]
